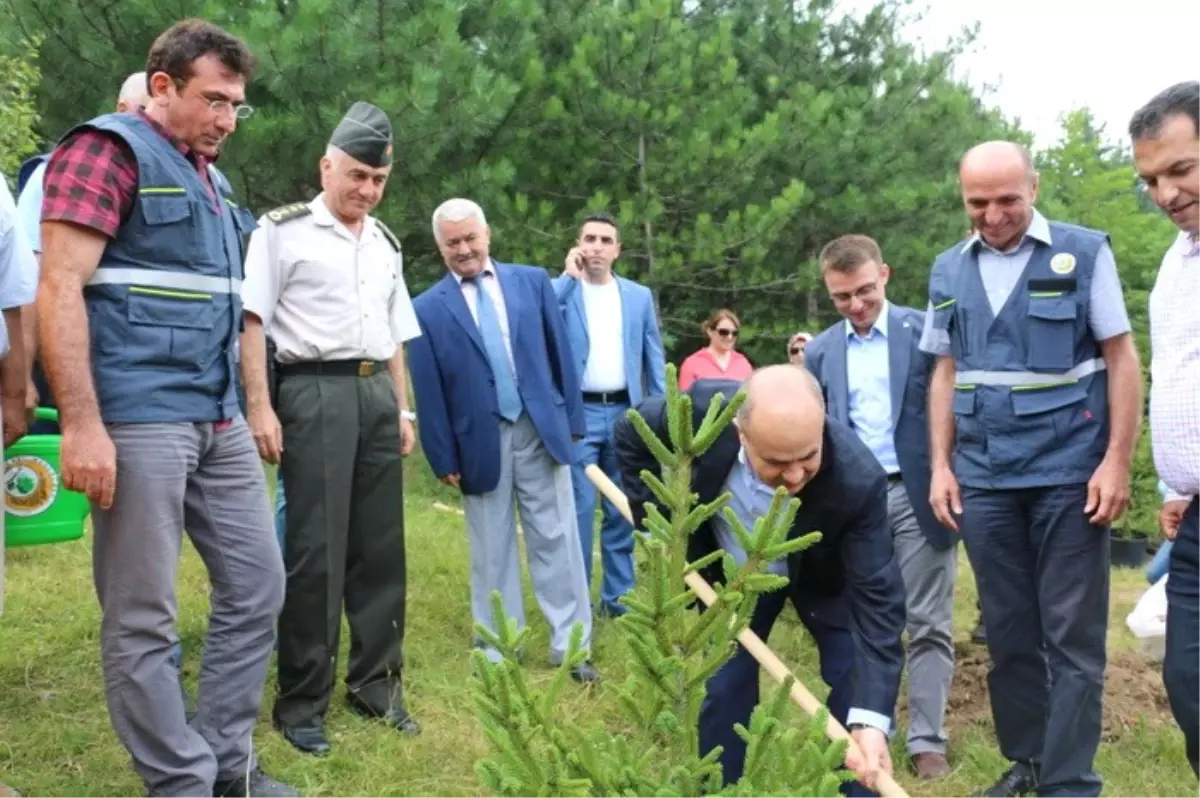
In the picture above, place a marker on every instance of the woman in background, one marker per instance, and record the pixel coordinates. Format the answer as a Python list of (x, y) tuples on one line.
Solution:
[(720, 360)]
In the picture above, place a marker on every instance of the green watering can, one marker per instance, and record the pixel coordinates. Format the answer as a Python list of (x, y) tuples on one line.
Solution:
[(38, 507)]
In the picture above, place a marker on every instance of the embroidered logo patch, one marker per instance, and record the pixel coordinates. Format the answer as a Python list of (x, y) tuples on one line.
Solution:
[(1062, 263)]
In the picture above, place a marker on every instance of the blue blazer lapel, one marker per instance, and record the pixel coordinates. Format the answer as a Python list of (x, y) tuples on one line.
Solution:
[(839, 383), (451, 296), (510, 286), (900, 343), (630, 335)]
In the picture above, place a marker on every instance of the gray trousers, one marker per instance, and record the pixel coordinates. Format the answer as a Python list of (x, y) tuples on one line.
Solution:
[(929, 598), (542, 490), (209, 481)]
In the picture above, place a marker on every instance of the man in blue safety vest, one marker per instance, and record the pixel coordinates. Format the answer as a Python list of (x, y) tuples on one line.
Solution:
[(1037, 395), (140, 312)]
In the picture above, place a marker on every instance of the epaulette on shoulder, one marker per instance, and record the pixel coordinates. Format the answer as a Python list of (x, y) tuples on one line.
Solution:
[(287, 213), (388, 234)]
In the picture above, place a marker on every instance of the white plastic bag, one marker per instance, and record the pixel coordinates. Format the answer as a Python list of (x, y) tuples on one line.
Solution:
[(1148, 620)]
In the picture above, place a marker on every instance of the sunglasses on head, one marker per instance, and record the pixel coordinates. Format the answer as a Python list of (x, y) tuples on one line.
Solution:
[(725, 332)]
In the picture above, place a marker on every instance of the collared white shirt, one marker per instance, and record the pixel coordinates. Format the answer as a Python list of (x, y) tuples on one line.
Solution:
[(18, 266), (1175, 369), (491, 283), (605, 369), (324, 293)]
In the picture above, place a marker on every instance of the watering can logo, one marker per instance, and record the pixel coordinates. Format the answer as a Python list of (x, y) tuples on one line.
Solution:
[(30, 485)]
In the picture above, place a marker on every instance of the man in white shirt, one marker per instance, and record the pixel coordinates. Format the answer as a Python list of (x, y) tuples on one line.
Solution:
[(1165, 144), (617, 348), (18, 287), (324, 280)]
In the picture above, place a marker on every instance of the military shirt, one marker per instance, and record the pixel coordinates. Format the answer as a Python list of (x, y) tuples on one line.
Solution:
[(322, 292)]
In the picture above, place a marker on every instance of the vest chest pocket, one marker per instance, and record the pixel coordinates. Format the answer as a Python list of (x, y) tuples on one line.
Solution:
[(967, 427), (172, 329), (173, 232), (1052, 321)]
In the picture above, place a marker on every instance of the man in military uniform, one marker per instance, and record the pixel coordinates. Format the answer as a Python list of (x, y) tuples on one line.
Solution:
[(324, 281)]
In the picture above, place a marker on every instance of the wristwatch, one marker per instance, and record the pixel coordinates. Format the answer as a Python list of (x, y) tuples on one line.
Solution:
[(408, 415)]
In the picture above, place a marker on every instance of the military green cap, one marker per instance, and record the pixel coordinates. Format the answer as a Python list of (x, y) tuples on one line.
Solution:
[(365, 134)]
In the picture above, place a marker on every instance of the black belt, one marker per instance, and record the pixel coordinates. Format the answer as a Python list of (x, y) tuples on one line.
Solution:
[(333, 368), (620, 397), (895, 477)]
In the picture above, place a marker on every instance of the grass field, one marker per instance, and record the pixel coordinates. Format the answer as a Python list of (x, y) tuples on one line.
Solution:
[(55, 738)]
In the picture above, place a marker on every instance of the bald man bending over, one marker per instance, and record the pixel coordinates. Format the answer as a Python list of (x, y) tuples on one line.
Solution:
[(1034, 408), (847, 589)]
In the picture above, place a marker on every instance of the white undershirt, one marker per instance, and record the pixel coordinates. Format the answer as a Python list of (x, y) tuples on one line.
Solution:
[(606, 354)]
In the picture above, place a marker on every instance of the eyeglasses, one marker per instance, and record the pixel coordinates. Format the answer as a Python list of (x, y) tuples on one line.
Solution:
[(226, 107), (861, 293), (725, 332)]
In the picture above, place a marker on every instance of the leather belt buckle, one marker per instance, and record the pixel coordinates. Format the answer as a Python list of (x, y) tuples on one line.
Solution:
[(366, 368)]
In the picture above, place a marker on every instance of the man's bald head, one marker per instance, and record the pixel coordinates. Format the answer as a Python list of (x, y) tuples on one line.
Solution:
[(782, 425), (992, 155), (999, 188), (134, 93)]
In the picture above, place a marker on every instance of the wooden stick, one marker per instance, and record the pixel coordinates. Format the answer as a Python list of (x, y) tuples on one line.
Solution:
[(884, 783)]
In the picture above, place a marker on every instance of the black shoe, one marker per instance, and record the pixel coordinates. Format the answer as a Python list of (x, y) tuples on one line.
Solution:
[(398, 718), (306, 739), (585, 673), (979, 634), (1020, 779), (256, 785)]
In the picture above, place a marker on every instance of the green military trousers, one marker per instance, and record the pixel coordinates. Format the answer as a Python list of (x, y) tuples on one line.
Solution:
[(342, 471)]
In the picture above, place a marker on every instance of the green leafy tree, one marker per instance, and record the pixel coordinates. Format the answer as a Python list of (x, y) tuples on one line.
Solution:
[(18, 111), (538, 751)]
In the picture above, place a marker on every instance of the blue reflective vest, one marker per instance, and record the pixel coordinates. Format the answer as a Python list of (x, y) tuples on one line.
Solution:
[(1031, 395), (164, 306)]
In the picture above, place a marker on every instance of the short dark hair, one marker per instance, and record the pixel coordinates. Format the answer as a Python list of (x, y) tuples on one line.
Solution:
[(179, 46), (1182, 98), (847, 253), (603, 218)]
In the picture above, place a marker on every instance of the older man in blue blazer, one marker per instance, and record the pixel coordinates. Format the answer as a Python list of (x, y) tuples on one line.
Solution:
[(617, 350), (875, 380), (498, 407)]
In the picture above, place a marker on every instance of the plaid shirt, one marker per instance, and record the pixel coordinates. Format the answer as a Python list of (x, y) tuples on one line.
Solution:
[(1175, 369), (92, 179)]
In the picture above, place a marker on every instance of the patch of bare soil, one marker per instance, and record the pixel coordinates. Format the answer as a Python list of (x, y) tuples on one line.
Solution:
[(1133, 692)]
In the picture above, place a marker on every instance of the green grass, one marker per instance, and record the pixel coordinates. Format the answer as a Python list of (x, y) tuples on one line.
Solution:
[(55, 737)]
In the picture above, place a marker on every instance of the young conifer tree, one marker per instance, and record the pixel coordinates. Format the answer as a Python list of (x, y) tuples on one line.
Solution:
[(673, 650)]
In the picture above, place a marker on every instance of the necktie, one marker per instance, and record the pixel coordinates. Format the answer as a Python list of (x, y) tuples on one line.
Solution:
[(493, 343)]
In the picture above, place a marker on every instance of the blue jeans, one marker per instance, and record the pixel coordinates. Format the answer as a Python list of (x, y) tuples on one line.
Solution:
[(1157, 568), (616, 534), (280, 509)]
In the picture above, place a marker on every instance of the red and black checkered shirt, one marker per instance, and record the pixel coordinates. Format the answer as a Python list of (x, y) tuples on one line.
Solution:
[(92, 178)]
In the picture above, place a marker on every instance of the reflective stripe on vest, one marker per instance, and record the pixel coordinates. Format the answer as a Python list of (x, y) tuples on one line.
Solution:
[(1028, 379), (152, 278)]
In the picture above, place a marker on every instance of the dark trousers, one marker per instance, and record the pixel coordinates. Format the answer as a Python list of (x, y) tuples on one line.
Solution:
[(1043, 576), (733, 690), (1181, 665), (45, 399), (342, 474)]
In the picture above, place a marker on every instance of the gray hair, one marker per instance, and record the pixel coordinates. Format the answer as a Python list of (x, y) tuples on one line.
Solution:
[(1182, 98), (456, 210), (134, 90)]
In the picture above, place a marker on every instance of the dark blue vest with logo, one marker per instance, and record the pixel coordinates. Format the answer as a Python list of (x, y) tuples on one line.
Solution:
[(164, 306), (1031, 395)]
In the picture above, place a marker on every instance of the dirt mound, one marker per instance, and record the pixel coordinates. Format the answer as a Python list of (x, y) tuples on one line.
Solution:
[(1133, 692)]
